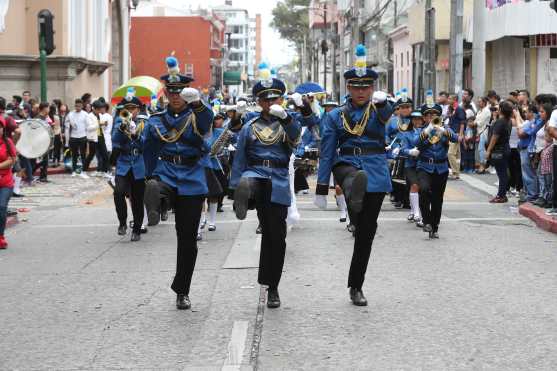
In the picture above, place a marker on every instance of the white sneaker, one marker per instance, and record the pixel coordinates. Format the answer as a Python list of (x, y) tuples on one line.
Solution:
[(74, 173), (84, 176), (305, 192)]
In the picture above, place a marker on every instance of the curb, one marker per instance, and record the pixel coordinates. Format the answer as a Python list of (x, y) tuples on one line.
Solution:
[(62, 170), (536, 214)]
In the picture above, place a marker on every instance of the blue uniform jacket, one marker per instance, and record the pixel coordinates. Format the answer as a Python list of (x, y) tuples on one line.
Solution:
[(131, 153), (250, 148), (334, 136), (308, 140), (409, 140), (213, 162), (187, 180), (432, 153)]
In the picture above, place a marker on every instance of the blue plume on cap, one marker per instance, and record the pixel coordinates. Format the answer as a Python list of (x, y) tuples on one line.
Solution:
[(171, 62), (360, 50), (130, 93), (263, 66)]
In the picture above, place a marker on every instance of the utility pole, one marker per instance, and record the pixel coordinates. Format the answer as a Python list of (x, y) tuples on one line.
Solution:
[(478, 48), (456, 46), (428, 75)]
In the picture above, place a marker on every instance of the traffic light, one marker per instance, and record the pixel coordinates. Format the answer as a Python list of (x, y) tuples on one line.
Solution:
[(46, 31)]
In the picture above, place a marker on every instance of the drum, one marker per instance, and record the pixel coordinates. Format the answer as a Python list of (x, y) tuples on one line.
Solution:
[(36, 138), (397, 171), (307, 164)]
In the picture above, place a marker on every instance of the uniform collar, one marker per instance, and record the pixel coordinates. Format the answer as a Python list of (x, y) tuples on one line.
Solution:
[(173, 114)]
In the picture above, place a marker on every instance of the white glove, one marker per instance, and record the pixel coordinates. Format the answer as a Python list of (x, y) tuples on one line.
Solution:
[(388, 148), (441, 129), (396, 151), (278, 111), (297, 98), (242, 107), (190, 95), (379, 97), (414, 152), (133, 128), (428, 129), (320, 201)]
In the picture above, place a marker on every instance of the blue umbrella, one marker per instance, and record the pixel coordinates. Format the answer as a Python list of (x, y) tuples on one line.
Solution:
[(309, 87)]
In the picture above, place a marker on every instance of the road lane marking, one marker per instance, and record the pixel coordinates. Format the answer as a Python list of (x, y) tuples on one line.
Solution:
[(236, 346), (245, 249), (253, 226), (479, 185)]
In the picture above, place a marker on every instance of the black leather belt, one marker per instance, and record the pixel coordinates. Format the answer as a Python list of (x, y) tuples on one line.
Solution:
[(268, 163), (180, 160), (132, 152), (431, 161), (358, 151)]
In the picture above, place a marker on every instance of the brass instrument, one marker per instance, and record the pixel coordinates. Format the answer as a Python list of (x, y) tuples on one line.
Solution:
[(127, 124), (222, 141), (435, 134)]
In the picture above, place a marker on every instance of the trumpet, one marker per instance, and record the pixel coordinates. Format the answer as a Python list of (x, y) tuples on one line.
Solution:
[(435, 134), (127, 126)]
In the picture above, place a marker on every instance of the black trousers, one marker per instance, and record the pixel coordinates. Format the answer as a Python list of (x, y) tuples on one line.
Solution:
[(432, 189), (135, 188), (515, 170), (272, 218), (300, 181), (102, 156), (365, 222), (91, 152), (57, 150), (188, 213), (78, 147)]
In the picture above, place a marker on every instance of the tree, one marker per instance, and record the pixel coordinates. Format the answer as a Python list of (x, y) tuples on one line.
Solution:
[(290, 23)]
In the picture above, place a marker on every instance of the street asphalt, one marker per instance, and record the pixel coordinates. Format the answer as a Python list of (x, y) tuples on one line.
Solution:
[(75, 295)]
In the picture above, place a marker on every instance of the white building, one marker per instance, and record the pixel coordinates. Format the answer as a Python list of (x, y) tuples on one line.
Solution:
[(515, 46), (237, 38)]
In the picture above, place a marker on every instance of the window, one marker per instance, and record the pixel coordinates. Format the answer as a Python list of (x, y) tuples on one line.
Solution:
[(395, 60), (237, 29), (237, 43), (553, 53), (188, 69), (407, 58), (401, 59)]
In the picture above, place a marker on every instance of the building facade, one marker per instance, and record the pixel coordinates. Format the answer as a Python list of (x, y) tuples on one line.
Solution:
[(91, 54), (196, 40)]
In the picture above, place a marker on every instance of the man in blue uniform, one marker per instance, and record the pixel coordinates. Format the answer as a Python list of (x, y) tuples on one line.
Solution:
[(260, 176), (357, 131), (433, 167), (127, 152), (174, 147)]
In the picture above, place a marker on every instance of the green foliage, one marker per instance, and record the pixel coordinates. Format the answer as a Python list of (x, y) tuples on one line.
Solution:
[(290, 23)]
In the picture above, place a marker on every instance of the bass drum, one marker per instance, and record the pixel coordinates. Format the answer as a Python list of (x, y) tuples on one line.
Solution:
[(36, 138)]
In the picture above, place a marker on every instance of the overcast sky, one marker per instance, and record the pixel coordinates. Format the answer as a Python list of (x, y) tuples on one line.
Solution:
[(275, 50)]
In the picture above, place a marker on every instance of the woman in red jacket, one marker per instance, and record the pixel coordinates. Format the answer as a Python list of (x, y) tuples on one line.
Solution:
[(7, 160)]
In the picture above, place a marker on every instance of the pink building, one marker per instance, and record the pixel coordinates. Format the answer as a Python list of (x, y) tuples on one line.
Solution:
[(402, 59)]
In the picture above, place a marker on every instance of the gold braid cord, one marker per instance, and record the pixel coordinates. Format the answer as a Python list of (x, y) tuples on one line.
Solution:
[(175, 135), (267, 135), (360, 126)]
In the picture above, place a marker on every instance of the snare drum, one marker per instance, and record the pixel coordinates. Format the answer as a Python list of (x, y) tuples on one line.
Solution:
[(36, 138), (397, 171)]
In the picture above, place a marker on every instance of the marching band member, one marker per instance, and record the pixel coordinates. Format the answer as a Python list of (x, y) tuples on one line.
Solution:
[(127, 151), (432, 166), (396, 126), (260, 177), (357, 130), (173, 149), (216, 179), (410, 152)]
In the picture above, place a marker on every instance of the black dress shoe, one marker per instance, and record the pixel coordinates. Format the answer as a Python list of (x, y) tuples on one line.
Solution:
[(428, 228), (135, 237), (357, 297), (164, 215), (220, 210), (241, 199), (259, 229), (182, 302), (342, 220), (122, 230), (273, 299), (143, 229), (359, 188)]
